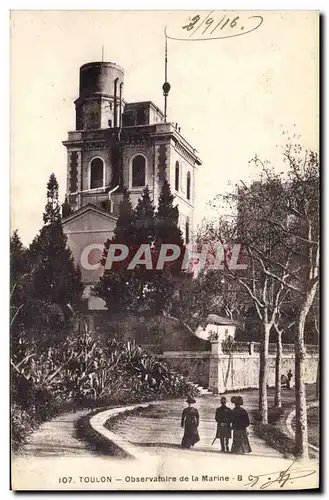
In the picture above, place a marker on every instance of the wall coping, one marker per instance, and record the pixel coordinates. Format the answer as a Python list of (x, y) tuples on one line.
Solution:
[(185, 354), (98, 421), (212, 355)]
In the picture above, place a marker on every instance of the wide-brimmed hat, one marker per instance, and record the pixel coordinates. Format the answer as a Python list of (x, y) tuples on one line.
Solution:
[(190, 400)]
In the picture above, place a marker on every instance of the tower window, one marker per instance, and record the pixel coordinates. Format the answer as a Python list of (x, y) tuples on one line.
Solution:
[(187, 230), (96, 173), (188, 186), (138, 171), (177, 176)]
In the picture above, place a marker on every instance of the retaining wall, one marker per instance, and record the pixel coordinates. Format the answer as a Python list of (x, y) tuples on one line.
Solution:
[(226, 372)]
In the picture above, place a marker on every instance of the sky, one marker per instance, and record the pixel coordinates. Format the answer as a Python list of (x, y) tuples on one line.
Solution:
[(232, 97)]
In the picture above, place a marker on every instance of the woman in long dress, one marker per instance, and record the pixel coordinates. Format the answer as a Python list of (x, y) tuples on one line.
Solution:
[(190, 423), (240, 422)]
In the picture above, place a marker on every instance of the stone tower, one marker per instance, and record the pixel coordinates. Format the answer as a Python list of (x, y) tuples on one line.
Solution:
[(119, 144)]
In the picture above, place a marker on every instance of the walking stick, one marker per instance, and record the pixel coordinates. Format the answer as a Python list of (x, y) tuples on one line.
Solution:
[(214, 440)]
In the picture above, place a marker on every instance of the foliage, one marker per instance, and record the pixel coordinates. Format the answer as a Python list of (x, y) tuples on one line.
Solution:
[(166, 218), (52, 213), (56, 279), (66, 208), (45, 284), (141, 290), (21, 425), (276, 219), (86, 372), (275, 438)]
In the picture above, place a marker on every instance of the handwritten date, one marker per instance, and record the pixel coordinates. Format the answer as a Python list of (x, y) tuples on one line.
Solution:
[(212, 27)]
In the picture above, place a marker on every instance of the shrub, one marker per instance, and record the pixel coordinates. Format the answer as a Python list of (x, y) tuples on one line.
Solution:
[(85, 372), (274, 437), (21, 425)]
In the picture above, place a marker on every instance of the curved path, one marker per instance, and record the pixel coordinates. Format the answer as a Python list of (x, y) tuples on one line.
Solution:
[(54, 458), (160, 429), (56, 438)]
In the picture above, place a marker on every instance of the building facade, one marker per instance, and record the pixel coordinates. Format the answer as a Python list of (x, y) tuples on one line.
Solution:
[(116, 145)]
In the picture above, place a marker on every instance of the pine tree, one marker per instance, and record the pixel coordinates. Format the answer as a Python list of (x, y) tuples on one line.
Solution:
[(166, 219), (56, 279), (18, 258), (66, 208), (123, 289), (19, 269), (141, 290), (52, 213), (167, 280), (144, 219), (21, 275), (125, 228)]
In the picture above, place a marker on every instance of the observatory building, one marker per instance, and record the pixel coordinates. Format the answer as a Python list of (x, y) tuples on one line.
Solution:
[(119, 144)]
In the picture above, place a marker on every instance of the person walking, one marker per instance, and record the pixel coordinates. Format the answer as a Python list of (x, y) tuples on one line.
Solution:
[(240, 422), (289, 377), (190, 424), (223, 417)]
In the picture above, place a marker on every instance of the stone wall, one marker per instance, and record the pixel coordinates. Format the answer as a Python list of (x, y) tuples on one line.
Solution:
[(193, 365), (228, 372), (236, 371)]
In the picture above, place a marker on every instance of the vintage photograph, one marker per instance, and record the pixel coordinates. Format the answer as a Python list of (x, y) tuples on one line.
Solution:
[(164, 250)]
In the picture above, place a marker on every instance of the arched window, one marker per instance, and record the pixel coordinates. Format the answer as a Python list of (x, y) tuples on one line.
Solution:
[(188, 186), (187, 230), (138, 171), (96, 173), (177, 176)]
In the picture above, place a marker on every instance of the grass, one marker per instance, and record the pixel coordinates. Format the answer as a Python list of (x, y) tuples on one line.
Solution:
[(313, 416), (273, 432), (274, 437)]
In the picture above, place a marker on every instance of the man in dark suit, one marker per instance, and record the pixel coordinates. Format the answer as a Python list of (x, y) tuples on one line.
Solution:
[(223, 418)]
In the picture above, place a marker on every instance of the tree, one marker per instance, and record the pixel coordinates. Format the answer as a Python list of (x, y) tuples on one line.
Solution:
[(167, 281), (56, 279), (315, 317), (265, 257), (126, 291), (66, 208), (19, 274), (18, 257), (141, 290), (52, 213), (124, 231), (303, 232), (166, 219), (144, 223), (290, 217), (281, 326)]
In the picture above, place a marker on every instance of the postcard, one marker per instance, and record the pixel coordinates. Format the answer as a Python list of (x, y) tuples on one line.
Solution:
[(164, 295)]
